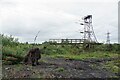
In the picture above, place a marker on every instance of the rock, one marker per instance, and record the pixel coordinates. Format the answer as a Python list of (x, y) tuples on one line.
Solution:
[(28, 69), (8, 68)]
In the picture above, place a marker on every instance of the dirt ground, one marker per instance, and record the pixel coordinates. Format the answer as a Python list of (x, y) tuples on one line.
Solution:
[(60, 68)]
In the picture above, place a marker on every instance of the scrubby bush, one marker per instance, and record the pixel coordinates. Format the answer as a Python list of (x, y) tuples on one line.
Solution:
[(12, 49)]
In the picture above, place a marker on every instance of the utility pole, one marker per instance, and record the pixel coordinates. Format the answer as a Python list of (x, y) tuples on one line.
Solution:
[(108, 38), (109, 46)]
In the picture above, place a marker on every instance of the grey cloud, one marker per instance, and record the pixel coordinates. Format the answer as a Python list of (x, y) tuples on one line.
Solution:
[(56, 19)]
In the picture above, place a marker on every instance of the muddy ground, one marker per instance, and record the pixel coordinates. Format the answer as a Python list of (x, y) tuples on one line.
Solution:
[(60, 68)]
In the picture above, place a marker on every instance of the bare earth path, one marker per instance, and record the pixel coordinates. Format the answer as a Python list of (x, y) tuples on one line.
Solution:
[(59, 68)]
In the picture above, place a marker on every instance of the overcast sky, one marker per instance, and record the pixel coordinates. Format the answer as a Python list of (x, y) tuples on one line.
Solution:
[(57, 18)]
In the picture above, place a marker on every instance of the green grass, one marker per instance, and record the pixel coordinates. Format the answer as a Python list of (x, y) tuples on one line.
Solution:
[(43, 61), (11, 45), (113, 66), (60, 69), (82, 56)]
